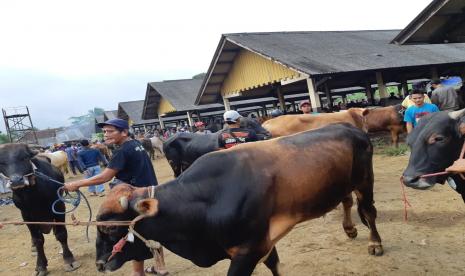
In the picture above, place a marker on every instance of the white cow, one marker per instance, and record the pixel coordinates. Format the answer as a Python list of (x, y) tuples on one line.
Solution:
[(58, 159), (157, 145)]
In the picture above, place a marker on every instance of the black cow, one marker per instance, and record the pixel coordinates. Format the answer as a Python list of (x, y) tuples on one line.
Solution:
[(435, 144), (238, 203), (34, 197), (182, 149)]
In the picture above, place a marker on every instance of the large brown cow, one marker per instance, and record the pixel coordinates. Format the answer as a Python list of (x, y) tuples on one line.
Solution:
[(238, 203), (387, 118), (290, 124)]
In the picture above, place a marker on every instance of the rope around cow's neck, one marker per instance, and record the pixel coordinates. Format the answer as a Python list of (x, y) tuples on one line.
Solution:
[(67, 198)]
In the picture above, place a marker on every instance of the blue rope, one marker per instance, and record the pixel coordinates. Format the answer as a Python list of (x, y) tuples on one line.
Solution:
[(65, 197)]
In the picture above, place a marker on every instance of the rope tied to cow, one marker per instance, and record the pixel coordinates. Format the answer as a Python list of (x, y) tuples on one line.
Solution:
[(66, 197), (74, 223), (405, 200), (458, 167), (154, 246)]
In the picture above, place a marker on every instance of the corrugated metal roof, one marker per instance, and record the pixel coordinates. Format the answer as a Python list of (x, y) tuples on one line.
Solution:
[(333, 52), (442, 21), (133, 111), (179, 93), (100, 119), (110, 114), (325, 53)]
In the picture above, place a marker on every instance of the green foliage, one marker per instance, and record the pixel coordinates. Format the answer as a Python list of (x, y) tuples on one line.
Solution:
[(393, 151), (97, 136), (200, 76), (4, 138), (87, 118)]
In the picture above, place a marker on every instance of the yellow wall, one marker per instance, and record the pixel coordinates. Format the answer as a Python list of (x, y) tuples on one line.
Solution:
[(251, 70), (165, 107)]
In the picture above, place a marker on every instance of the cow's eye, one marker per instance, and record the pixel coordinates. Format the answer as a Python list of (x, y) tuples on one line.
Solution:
[(438, 138)]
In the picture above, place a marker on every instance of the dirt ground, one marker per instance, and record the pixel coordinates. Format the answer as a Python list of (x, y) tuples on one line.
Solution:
[(429, 243)]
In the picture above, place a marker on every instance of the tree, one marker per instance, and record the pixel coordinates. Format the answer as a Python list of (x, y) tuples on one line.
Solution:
[(88, 118), (4, 138), (200, 76)]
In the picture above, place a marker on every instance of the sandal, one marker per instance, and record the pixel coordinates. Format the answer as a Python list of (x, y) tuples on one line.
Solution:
[(152, 270)]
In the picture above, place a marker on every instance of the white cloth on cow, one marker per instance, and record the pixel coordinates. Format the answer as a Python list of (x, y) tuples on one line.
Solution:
[(3, 188)]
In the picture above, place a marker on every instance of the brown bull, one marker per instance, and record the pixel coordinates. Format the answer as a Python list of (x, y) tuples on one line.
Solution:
[(291, 124), (238, 203), (386, 118)]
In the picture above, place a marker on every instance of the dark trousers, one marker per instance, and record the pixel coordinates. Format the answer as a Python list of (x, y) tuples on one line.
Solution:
[(73, 165)]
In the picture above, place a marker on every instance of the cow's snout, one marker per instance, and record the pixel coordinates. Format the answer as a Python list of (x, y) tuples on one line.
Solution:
[(409, 180), (416, 182)]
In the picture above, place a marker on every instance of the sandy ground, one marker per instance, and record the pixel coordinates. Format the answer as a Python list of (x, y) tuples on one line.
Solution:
[(429, 243)]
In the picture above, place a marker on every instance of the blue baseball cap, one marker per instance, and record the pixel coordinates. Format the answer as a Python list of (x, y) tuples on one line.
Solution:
[(119, 123)]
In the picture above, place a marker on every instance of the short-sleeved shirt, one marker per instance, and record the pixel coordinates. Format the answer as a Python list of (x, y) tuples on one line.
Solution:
[(133, 165), (414, 113), (234, 136), (89, 158), (407, 102), (445, 98)]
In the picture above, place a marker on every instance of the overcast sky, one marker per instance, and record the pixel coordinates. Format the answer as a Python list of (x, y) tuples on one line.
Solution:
[(62, 58)]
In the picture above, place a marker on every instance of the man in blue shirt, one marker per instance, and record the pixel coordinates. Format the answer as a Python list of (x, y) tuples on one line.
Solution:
[(415, 112), (72, 160), (89, 160), (129, 164)]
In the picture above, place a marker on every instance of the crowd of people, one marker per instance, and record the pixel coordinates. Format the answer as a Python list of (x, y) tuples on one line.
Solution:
[(130, 163)]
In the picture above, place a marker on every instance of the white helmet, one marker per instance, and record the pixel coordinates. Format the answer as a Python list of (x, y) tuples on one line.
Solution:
[(231, 116)]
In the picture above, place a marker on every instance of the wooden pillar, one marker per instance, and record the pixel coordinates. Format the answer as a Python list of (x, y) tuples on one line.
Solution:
[(282, 102), (463, 76), (382, 89), (189, 119), (145, 128), (265, 113), (198, 115), (404, 89), (314, 98), (369, 93), (434, 73), (329, 99), (293, 109), (227, 105), (162, 125)]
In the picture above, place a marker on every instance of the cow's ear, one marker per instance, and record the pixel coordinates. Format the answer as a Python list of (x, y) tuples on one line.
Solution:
[(148, 206), (365, 111), (461, 126)]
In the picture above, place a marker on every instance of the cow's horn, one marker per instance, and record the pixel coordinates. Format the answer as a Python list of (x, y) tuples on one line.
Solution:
[(124, 202), (456, 114)]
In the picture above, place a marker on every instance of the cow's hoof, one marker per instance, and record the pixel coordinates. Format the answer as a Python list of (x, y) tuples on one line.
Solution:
[(375, 249), (72, 266), (41, 273), (351, 233)]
